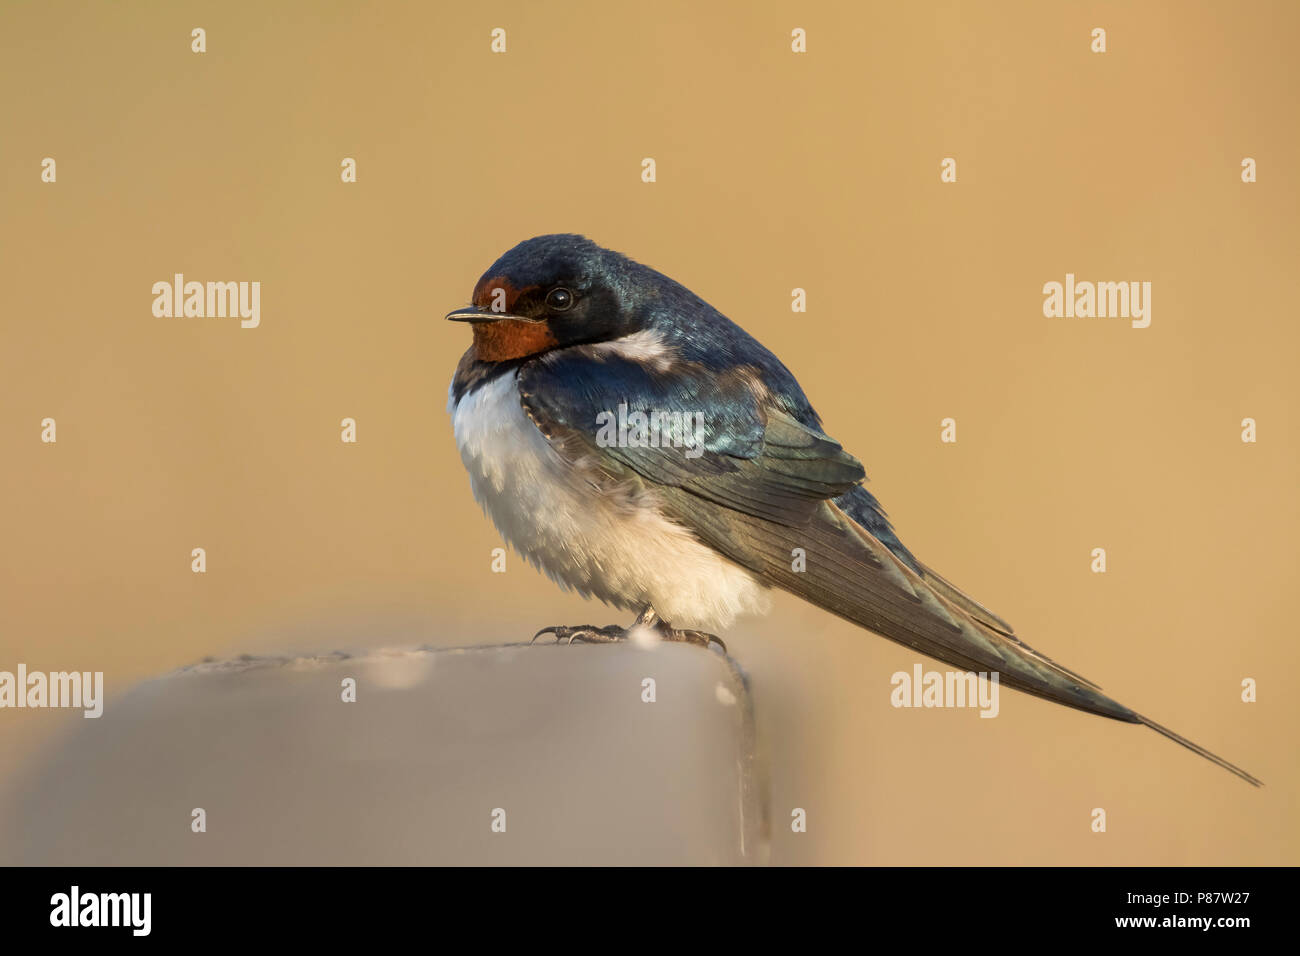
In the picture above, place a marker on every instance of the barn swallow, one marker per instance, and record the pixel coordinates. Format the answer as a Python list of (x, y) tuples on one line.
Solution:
[(739, 490)]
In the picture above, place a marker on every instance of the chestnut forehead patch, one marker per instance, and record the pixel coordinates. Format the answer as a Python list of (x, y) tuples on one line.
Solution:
[(486, 294)]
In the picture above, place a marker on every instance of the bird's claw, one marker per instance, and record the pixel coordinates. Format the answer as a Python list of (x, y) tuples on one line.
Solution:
[(695, 637), (590, 634), (587, 633)]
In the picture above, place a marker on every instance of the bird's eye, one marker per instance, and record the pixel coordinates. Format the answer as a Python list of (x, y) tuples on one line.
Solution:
[(558, 300)]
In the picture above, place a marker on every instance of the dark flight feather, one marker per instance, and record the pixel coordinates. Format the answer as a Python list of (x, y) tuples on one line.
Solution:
[(767, 480)]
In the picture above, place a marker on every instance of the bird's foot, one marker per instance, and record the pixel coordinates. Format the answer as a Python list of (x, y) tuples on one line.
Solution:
[(646, 620), (587, 633), (687, 636)]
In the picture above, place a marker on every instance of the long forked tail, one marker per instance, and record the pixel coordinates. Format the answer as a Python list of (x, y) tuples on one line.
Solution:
[(975, 636), (985, 617), (1198, 749), (849, 572)]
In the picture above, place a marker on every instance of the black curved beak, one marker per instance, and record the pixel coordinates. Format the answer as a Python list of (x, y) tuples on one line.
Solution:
[(476, 314)]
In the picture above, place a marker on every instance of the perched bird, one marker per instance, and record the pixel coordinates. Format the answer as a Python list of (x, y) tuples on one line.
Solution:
[(639, 447)]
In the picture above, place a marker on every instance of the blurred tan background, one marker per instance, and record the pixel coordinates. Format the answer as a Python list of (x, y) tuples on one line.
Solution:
[(775, 170)]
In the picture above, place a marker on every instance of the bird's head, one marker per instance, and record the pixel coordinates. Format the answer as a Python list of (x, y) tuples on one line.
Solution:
[(547, 293)]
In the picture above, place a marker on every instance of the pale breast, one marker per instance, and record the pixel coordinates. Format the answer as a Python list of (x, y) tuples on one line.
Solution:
[(601, 538)]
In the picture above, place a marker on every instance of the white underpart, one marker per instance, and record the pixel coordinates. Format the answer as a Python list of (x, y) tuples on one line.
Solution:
[(606, 540)]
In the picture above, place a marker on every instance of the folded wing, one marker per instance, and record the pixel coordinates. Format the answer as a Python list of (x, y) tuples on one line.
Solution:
[(760, 483)]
